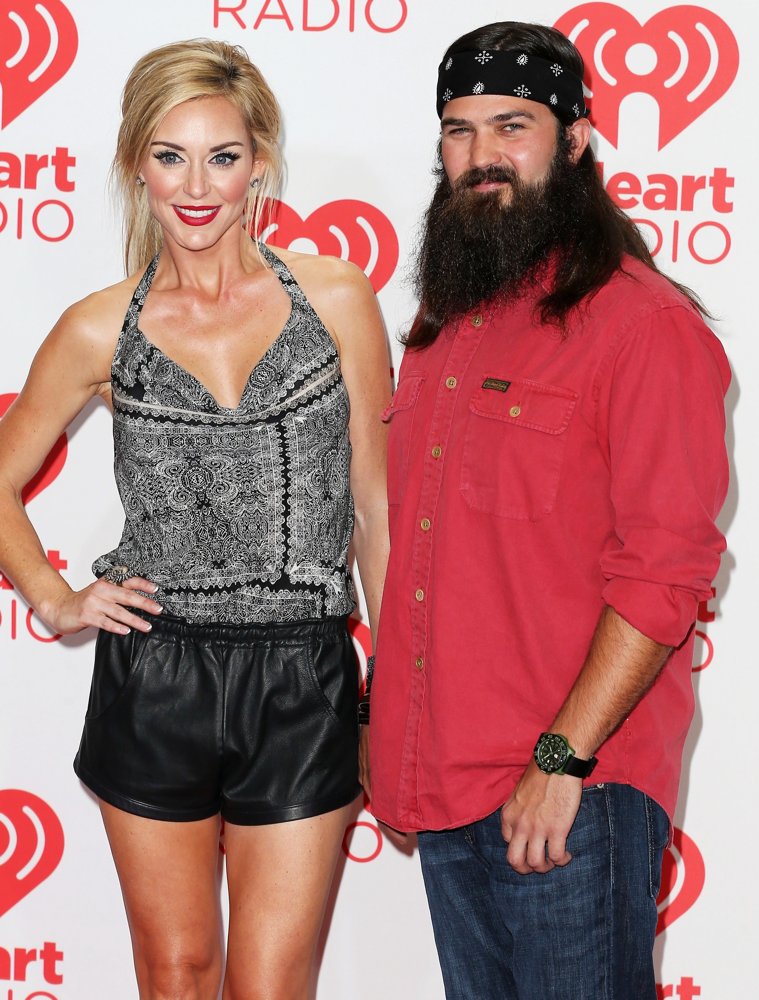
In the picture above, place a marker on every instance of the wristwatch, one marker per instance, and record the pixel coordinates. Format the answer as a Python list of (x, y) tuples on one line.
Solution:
[(554, 755)]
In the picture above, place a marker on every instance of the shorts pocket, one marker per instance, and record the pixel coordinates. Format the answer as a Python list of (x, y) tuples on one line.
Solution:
[(333, 669), (400, 416), (514, 448), (117, 659)]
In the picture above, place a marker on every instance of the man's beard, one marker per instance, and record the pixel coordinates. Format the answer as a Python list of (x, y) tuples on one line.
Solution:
[(475, 249)]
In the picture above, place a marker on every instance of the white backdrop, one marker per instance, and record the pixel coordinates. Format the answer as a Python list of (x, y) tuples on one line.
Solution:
[(356, 80)]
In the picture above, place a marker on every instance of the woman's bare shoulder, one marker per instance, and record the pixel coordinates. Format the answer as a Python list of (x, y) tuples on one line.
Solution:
[(82, 342), (100, 313), (342, 296), (322, 269)]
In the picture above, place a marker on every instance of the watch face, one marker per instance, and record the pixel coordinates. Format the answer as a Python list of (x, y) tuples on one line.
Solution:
[(551, 753)]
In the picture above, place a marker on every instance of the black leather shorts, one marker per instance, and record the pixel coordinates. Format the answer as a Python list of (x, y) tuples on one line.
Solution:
[(256, 722)]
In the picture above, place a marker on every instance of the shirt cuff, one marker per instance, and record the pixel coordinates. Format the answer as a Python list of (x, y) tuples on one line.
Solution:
[(660, 612)]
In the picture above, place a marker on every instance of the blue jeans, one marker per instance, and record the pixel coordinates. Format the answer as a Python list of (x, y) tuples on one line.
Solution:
[(582, 932)]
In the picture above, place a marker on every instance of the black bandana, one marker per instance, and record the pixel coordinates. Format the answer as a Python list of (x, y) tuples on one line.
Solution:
[(511, 73)]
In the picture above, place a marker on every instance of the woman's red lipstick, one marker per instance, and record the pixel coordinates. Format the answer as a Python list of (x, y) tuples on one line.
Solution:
[(196, 215)]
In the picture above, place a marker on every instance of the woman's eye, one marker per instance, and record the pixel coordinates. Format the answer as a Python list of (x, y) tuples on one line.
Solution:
[(167, 156), (224, 159)]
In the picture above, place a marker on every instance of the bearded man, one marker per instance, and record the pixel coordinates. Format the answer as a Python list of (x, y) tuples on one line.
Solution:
[(557, 463)]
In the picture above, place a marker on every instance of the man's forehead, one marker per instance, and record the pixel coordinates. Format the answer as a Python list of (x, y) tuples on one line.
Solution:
[(491, 108)]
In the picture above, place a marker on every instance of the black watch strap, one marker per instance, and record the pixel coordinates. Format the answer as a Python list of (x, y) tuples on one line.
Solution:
[(578, 768)]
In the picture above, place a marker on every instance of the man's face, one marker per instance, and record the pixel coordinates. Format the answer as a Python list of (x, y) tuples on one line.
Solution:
[(504, 137), (509, 195)]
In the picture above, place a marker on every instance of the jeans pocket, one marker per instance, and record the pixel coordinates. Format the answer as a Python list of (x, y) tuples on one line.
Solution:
[(657, 827)]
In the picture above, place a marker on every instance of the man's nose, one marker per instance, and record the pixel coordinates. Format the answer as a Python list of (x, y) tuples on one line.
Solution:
[(484, 150)]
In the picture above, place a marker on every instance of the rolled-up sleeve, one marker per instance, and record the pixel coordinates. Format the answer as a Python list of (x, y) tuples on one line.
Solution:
[(661, 421)]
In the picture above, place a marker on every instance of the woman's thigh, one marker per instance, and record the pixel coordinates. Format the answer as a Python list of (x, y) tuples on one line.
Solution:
[(279, 879), (170, 875)]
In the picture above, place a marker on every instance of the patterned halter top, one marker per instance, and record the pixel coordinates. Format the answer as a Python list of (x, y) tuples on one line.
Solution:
[(244, 514)]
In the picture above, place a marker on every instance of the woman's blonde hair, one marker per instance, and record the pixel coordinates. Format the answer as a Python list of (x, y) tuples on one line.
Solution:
[(169, 76)]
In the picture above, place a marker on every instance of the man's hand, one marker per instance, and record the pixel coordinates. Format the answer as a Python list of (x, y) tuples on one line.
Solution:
[(621, 666), (536, 820)]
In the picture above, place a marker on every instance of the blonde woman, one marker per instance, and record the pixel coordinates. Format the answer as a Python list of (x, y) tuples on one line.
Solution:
[(246, 388)]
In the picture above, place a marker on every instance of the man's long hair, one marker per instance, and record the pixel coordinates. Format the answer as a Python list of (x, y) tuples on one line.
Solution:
[(606, 234)]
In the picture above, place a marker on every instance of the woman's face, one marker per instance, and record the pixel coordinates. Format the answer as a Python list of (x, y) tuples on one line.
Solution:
[(197, 172)]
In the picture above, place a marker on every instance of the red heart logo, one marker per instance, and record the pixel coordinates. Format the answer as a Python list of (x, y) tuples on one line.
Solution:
[(50, 468), (682, 879), (37, 47), (31, 845), (352, 230), (684, 57), (362, 642)]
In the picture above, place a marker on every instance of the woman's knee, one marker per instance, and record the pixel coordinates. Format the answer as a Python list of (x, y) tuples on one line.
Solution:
[(185, 974), (291, 983)]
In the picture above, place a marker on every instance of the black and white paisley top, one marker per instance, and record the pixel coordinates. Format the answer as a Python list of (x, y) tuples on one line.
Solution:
[(238, 514)]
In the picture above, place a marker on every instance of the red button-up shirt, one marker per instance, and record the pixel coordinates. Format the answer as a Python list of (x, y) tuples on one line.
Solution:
[(532, 481)]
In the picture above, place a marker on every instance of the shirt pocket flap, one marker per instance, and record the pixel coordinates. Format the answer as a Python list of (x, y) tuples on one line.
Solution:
[(404, 396), (534, 405)]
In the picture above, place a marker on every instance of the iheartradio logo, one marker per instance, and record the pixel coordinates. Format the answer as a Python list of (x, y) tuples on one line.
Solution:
[(31, 845), (349, 229), (682, 880), (38, 43), (685, 57)]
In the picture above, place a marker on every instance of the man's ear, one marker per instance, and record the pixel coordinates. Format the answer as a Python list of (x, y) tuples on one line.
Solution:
[(579, 137)]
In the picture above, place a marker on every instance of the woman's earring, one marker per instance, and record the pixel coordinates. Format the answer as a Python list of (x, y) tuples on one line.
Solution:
[(139, 181), (255, 182)]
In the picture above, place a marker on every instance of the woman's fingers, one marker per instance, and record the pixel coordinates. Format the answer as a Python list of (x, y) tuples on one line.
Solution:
[(120, 598), (127, 594), (140, 583), (107, 606)]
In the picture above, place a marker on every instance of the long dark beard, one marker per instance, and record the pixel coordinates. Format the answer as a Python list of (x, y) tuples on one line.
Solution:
[(474, 249)]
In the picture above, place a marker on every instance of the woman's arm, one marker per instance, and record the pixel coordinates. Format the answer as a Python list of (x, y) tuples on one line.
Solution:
[(365, 362), (71, 366), (349, 309), (346, 304)]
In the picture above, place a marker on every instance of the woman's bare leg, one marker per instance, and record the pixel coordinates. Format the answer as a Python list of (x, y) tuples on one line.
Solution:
[(279, 879), (169, 874)]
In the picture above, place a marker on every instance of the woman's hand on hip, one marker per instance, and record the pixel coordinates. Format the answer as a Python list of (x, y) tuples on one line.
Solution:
[(103, 605)]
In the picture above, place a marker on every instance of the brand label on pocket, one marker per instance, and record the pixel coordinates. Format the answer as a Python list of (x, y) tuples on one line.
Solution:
[(499, 384)]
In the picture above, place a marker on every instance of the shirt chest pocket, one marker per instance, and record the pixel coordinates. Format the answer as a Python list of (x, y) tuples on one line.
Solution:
[(400, 416), (514, 448)]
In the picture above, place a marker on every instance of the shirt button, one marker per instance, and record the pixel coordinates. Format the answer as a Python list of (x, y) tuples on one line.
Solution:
[(419, 663), (419, 595), (437, 451), (451, 382), (425, 524), (515, 411), (476, 320)]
